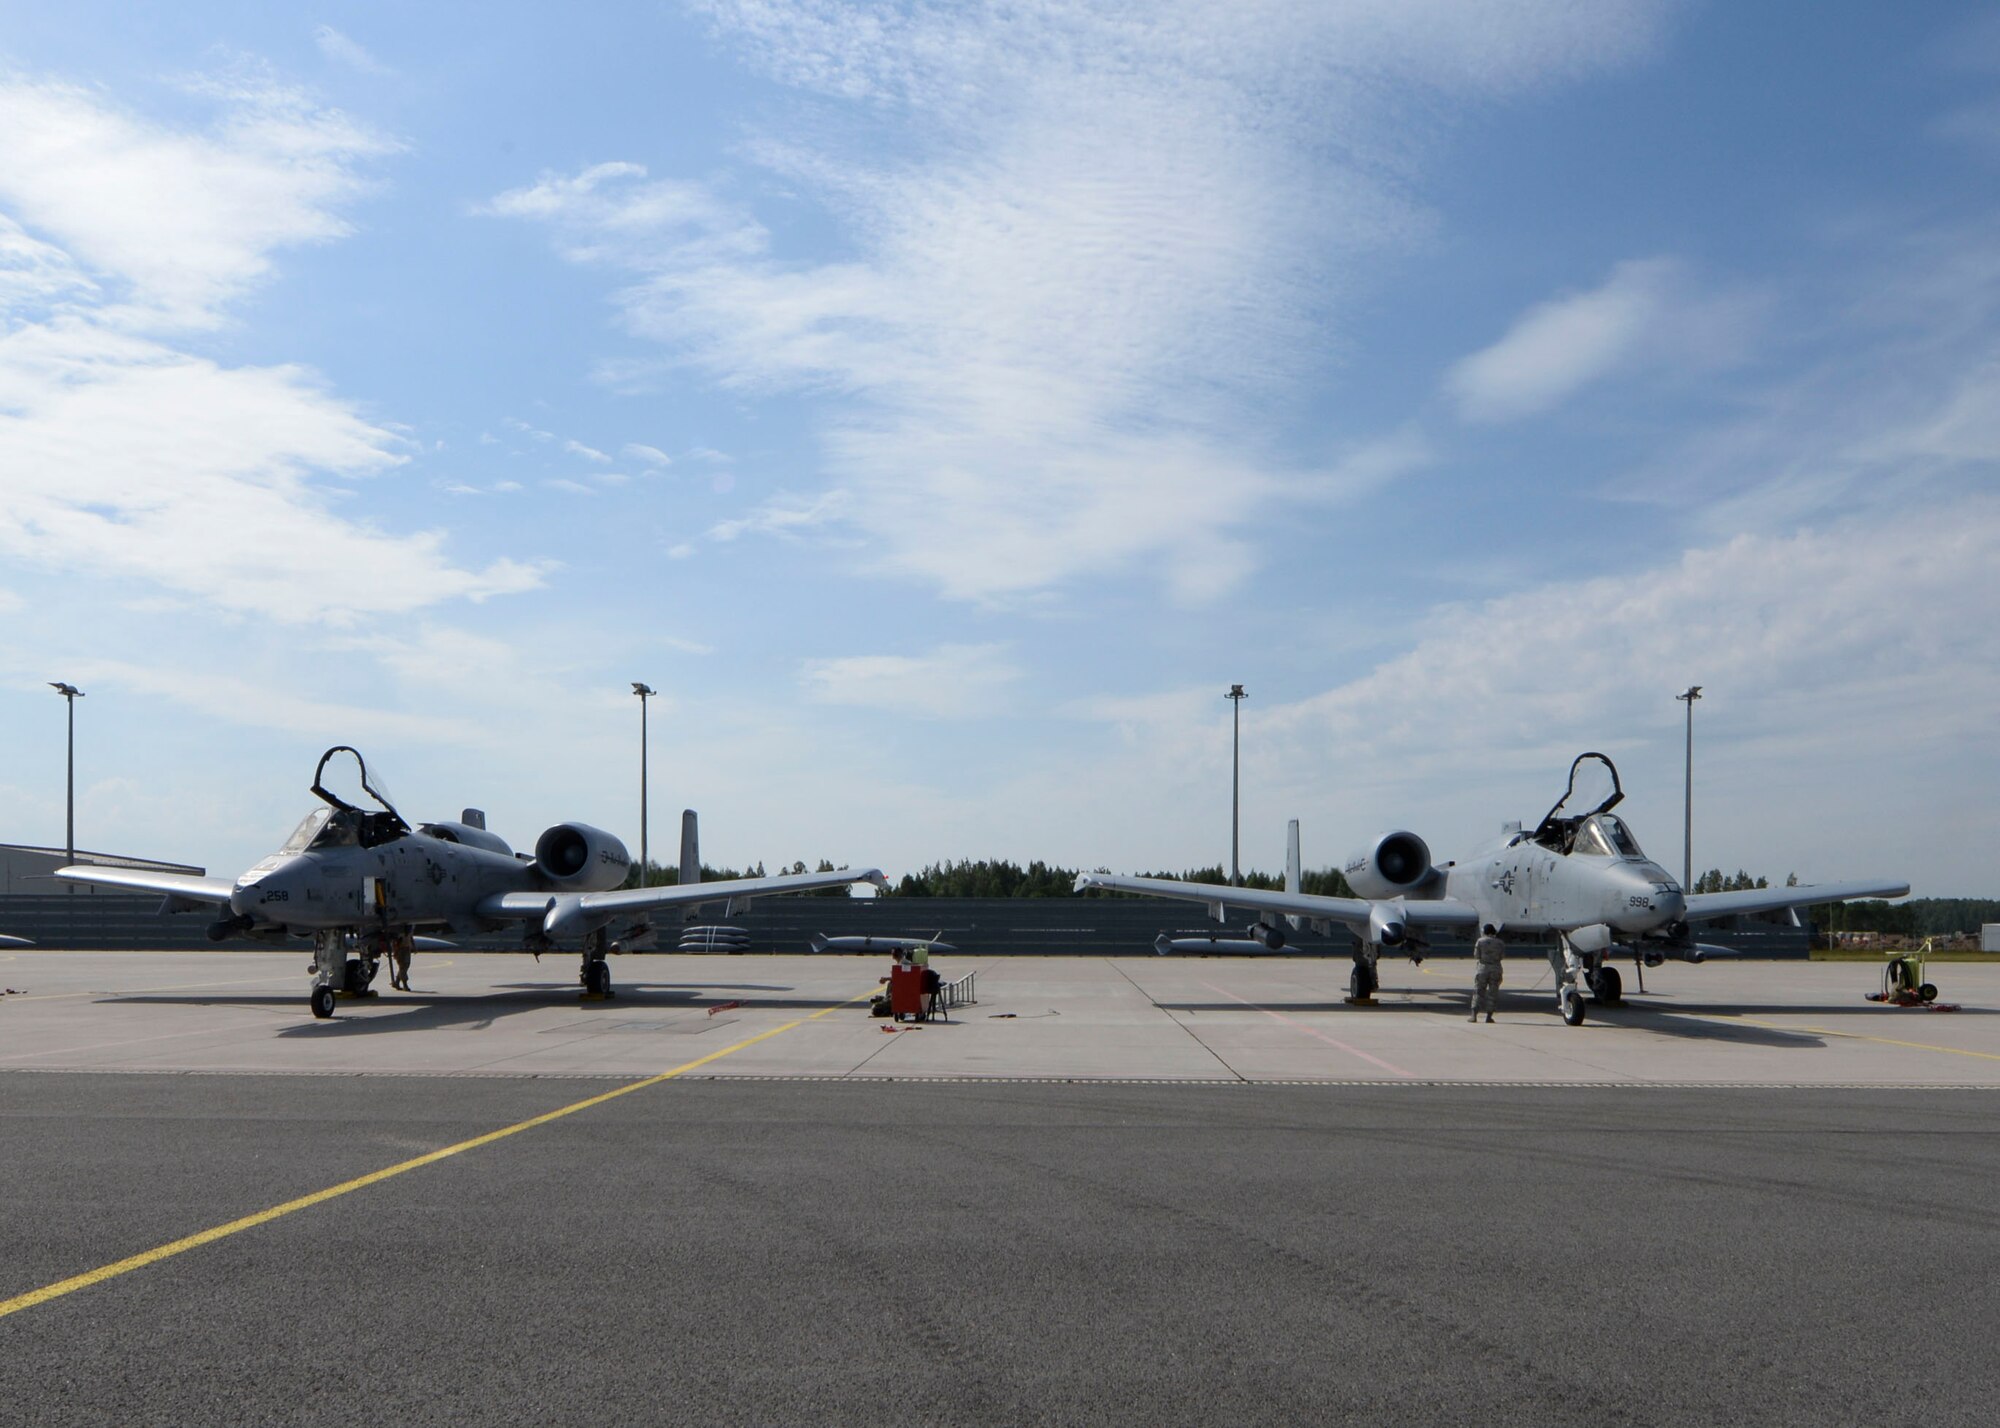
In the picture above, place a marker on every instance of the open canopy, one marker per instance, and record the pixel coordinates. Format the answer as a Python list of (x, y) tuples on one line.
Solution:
[(1593, 789), (352, 818)]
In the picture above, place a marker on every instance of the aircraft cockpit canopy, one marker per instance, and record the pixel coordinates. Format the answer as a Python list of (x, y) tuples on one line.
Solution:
[(1605, 836), (1575, 823), (351, 821), (308, 829)]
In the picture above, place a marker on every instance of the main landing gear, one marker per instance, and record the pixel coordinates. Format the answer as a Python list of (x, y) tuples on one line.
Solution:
[(1361, 983), (596, 974)]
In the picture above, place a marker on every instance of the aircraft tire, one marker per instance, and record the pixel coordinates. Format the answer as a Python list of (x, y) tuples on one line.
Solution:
[(354, 977), (322, 1002), (597, 980), (1571, 1006), (1610, 987), (1362, 982)]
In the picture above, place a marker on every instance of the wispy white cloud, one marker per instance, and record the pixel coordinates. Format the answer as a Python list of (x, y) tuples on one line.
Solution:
[(588, 453), (950, 682), (785, 515), (131, 459), (344, 51), (1646, 313), (1046, 354), (1894, 405), (180, 222), (574, 488), (649, 455)]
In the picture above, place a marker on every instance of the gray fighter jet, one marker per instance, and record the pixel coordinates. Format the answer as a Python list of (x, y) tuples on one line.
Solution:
[(1579, 876), (361, 882)]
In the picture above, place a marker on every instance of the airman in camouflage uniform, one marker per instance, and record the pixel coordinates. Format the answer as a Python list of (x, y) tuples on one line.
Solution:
[(1487, 952)]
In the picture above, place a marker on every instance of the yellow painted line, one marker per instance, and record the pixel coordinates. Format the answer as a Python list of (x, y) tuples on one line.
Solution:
[(362, 1182), (1861, 1036)]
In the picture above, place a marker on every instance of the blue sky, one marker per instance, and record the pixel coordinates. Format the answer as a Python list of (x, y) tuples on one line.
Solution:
[(942, 405)]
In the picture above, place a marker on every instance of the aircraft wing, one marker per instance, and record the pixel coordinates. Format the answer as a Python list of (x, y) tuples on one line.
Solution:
[(1349, 911), (1702, 906), (187, 885), (560, 911)]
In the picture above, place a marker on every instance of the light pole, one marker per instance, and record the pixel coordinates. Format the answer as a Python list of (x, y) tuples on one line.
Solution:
[(1687, 806), (70, 694), (1235, 696), (645, 692)]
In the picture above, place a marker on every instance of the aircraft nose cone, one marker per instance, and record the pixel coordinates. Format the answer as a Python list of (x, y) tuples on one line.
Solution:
[(246, 896), (255, 895), (1653, 898)]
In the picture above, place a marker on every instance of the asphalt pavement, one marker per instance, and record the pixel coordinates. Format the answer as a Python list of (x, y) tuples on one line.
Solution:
[(817, 1251)]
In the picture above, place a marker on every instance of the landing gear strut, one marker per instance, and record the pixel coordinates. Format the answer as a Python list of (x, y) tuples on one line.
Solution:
[(329, 971), (1362, 982), (596, 974), (1567, 965)]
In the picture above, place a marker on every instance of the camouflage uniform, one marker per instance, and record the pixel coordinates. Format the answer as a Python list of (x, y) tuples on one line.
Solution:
[(1487, 952)]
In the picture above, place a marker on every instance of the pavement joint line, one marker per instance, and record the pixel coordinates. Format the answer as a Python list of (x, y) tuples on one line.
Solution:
[(1301, 1026), (88, 1278), (1193, 1035), (142, 991)]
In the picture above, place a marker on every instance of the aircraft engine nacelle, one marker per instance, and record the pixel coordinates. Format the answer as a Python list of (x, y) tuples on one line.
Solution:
[(1266, 934), (575, 855), (1394, 865), (1386, 927)]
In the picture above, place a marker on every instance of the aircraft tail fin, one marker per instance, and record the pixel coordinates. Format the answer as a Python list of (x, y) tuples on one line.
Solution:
[(818, 942), (690, 849), (1292, 870)]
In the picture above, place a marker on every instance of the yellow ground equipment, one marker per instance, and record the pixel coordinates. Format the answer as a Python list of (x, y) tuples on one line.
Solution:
[(1903, 981)]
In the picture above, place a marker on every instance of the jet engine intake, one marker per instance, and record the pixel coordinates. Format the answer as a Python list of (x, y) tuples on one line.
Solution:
[(577, 856), (1267, 935), (1396, 864)]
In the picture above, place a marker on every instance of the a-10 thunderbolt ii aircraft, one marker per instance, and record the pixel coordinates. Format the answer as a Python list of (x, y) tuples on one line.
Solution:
[(361, 882), (1579, 876)]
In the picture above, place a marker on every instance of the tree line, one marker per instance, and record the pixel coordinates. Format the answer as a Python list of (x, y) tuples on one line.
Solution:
[(657, 875), (1001, 877)]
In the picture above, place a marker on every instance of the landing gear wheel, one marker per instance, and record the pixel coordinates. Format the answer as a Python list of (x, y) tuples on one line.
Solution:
[(1361, 984), (1608, 986), (356, 975), (322, 1002), (597, 979), (1927, 992), (1571, 1006)]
